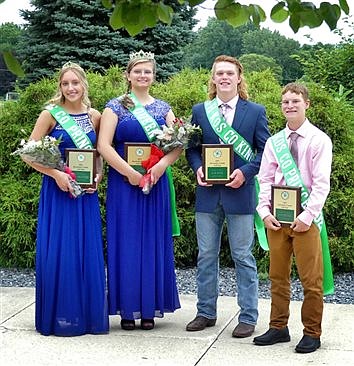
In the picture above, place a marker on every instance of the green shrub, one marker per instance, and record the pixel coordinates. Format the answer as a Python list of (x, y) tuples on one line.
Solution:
[(18, 219), (103, 88), (184, 90), (264, 89), (185, 245)]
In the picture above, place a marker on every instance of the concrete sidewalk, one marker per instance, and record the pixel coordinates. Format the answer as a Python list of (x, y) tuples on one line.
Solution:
[(169, 343)]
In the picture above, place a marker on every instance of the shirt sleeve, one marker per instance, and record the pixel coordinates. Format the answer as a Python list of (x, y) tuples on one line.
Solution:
[(266, 179), (320, 178)]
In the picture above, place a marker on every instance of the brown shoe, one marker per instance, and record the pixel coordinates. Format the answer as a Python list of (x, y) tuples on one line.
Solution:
[(243, 330), (200, 323)]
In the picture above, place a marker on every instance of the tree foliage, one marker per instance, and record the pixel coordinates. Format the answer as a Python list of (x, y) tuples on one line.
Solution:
[(61, 31), (278, 47), (215, 39), (168, 42), (135, 15), (10, 34), (78, 30), (218, 37), (331, 66), (253, 62)]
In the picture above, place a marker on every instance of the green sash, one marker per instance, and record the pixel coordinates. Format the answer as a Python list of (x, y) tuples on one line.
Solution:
[(292, 177), (242, 148), (149, 125), (76, 133)]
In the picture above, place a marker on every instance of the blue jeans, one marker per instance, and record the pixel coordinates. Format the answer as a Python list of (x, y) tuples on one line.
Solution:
[(241, 239)]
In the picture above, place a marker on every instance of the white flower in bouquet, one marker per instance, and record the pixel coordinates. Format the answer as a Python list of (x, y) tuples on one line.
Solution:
[(179, 134), (46, 153)]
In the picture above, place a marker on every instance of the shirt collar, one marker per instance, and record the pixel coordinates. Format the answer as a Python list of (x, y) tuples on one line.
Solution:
[(301, 131), (232, 102)]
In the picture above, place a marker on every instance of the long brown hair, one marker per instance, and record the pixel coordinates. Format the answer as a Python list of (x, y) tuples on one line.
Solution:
[(241, 87)]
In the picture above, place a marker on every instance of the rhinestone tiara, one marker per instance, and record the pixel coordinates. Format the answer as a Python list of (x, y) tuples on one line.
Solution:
[(141, 55)]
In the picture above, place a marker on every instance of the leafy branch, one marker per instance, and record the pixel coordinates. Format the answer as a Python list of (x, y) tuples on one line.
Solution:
[(135, 15)]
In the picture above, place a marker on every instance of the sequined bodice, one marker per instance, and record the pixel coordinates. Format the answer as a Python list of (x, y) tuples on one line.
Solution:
[(128, 127), (84, 122)]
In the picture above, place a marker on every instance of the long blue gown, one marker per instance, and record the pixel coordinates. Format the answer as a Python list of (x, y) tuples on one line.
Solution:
[(70, 276), (141, 273)]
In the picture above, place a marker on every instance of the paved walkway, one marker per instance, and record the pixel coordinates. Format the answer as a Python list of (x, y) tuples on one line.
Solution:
[(169, 343)]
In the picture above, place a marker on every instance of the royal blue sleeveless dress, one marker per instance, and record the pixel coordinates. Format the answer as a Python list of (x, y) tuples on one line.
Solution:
[(70, 275), (140, 264)]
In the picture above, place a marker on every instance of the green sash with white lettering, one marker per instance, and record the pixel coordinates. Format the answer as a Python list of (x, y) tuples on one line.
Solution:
[(293, 178), (242, 148), (76, 133), (149, 124)]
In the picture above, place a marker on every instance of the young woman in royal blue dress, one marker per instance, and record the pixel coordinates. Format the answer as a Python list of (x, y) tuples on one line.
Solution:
[(141, 273), (70, 276)]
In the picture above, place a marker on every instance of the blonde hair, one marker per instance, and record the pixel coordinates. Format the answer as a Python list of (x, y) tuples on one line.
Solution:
[(59, 98), (241, 87)]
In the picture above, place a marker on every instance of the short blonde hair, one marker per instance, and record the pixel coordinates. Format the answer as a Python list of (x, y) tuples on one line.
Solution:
[(241, 87), (80, 73)]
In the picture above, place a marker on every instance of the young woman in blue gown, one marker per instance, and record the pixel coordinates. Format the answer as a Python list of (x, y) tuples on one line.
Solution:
[(70, 276), (141, 273)]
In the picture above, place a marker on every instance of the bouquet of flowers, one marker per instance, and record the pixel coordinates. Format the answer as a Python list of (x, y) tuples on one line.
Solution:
[(180, 134), (46, 153)]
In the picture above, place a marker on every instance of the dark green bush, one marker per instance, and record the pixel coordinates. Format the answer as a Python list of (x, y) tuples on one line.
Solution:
[(104, 88), (183, 90), (20, 184), (18, 219)]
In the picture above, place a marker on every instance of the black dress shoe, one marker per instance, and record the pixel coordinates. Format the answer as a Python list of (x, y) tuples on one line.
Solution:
[(243, 330), (272, 336), (308, 344), (200, 323), (127, 324), (147, 324)]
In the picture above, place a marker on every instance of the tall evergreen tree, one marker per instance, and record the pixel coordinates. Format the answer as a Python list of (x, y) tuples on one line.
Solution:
[(79, 30), (168, 42)]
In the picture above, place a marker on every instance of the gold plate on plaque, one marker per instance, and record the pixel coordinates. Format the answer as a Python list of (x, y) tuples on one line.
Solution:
[(218, 162), (83, 163), (286, 203), (135, 153)]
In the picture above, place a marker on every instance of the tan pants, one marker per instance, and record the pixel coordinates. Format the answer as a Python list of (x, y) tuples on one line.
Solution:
[(306, 247)]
